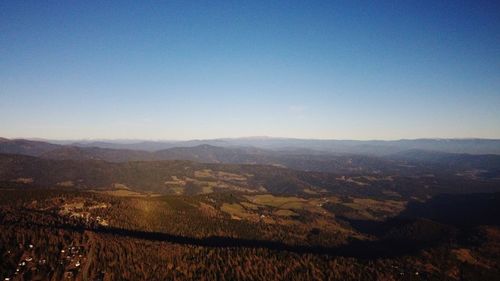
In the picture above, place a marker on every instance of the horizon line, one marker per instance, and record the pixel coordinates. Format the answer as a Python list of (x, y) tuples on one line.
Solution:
[(237, 138)]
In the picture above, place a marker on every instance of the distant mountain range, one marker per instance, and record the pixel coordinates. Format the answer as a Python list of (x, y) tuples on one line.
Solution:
[(370, 147), (401, 160)]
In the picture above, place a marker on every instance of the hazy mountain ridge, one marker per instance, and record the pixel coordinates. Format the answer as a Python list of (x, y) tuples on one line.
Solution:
[(299, 158), (374, 147), (97, 153), (483, 161), (25, 147)]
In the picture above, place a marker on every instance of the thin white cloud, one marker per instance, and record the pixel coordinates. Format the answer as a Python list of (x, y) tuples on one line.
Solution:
[(297, 109)]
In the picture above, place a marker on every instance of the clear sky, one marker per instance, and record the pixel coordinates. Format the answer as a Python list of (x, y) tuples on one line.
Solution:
[(207, 69)]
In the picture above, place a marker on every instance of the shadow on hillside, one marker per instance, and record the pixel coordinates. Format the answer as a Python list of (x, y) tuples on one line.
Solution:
[(444, 218), (457, 210), (461, 210), (421, 225), (356, 248)]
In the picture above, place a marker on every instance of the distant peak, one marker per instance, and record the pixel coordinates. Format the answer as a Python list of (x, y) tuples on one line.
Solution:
[(205, 145)]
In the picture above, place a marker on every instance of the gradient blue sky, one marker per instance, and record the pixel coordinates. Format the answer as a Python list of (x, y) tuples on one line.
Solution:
[(206, 69)]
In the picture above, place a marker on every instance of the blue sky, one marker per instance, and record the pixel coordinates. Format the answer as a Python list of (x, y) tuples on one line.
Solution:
[(207, 69)]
